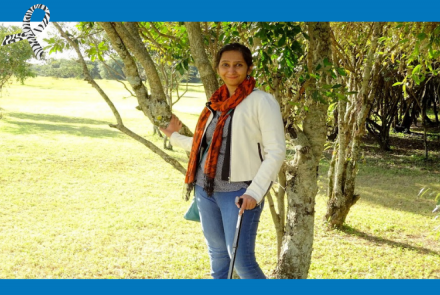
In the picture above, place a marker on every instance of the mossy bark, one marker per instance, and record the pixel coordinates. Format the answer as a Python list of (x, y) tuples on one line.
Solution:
[(301, 181), (197, 47)]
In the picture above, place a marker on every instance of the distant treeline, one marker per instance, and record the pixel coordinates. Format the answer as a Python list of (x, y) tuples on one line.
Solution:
[(111, 70)]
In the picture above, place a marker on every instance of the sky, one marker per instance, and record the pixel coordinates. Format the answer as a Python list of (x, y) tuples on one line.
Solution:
[(50, 29)]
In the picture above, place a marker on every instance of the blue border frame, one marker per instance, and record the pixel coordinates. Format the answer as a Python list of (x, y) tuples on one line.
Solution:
[(213, 287), (257, 10), (203, 10)]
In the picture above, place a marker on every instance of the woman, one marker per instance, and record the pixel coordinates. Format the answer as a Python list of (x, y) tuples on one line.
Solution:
[(237, 150)]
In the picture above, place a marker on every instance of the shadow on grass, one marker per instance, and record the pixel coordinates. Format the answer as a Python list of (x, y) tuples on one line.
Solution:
[(352, 231), (397, 200), (55, 118), (393, 179), (407, 151), (28, 123)]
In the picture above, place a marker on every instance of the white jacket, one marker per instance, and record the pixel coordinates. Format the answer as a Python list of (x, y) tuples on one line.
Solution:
[(258, 146)]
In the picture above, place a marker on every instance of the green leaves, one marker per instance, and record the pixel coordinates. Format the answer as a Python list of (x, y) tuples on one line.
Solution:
[(279, 50), (179, 68), (403, 41), (416, 70), (182, 66), (421, 36), (14, 57), (55, 45), (282, 41), (327, 63), (96, 51), (341, 72), (417, 74)]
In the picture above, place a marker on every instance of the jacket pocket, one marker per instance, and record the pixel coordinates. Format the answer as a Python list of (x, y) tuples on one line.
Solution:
[(259, 152)]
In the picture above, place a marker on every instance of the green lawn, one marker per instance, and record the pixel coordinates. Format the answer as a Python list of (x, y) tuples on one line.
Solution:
[(82, 200)]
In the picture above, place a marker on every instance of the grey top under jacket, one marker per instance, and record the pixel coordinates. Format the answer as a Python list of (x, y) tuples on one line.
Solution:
[(219, 184)]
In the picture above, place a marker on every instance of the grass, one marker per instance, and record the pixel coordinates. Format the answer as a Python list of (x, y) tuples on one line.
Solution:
[(81, 200)]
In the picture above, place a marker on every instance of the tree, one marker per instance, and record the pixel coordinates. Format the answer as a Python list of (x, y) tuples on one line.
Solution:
[(420, 66), (301, 185), (352, 114), (64, 68), (14, 57), (375, 56)]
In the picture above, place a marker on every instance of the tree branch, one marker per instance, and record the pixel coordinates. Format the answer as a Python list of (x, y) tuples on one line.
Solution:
[(161, 34), (149, 37), (120, 125)]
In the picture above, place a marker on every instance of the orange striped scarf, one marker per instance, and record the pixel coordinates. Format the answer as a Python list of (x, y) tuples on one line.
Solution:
[(218, 102)]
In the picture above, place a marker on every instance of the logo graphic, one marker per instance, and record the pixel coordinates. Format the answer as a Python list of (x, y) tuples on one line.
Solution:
[(28, 33)]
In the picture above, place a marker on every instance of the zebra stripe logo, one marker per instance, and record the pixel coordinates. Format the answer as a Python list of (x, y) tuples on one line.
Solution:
[(28, 33)]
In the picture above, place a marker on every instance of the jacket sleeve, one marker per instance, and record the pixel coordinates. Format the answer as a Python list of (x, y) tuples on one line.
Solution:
[(182, 141), (274, 147)]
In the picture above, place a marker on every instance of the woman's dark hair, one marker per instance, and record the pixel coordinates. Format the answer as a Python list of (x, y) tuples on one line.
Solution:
[(247, 55)]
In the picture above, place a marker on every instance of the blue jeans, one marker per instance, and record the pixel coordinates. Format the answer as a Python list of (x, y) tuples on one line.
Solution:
[(218, 216)]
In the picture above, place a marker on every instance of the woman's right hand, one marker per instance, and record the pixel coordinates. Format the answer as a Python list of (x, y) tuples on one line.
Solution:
[(174, 126)]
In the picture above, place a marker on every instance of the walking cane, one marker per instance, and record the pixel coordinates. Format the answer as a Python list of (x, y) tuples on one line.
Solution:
[(236, 237)]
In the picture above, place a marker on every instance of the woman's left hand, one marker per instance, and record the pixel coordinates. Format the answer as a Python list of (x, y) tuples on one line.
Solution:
[(249, 203)]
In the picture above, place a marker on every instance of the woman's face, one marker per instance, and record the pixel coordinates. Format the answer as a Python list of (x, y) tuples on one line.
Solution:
[(233, 69)]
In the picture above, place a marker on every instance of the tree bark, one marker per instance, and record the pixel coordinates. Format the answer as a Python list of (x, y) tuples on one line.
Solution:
[(301, 184), (197, 47)]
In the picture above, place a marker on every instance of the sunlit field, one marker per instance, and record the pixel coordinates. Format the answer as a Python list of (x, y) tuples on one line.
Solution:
[(79, 199)]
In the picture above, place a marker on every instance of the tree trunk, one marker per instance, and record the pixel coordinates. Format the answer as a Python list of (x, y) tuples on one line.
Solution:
[(342, 196), (414, 114), (434, 108), (197, 47), (301, 184), (424, 116), (407, 118), (380, 132), (385, 137)]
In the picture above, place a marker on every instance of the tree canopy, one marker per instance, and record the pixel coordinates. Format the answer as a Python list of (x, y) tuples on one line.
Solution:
[(14, 58)]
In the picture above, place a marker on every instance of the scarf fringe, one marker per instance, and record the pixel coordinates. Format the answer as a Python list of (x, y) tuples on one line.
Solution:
[(188, 188), (209, 185)]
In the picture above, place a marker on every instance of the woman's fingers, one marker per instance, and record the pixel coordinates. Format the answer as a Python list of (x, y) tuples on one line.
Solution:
[(249, 203), (173, 126), (175, 121), (174, 118)]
